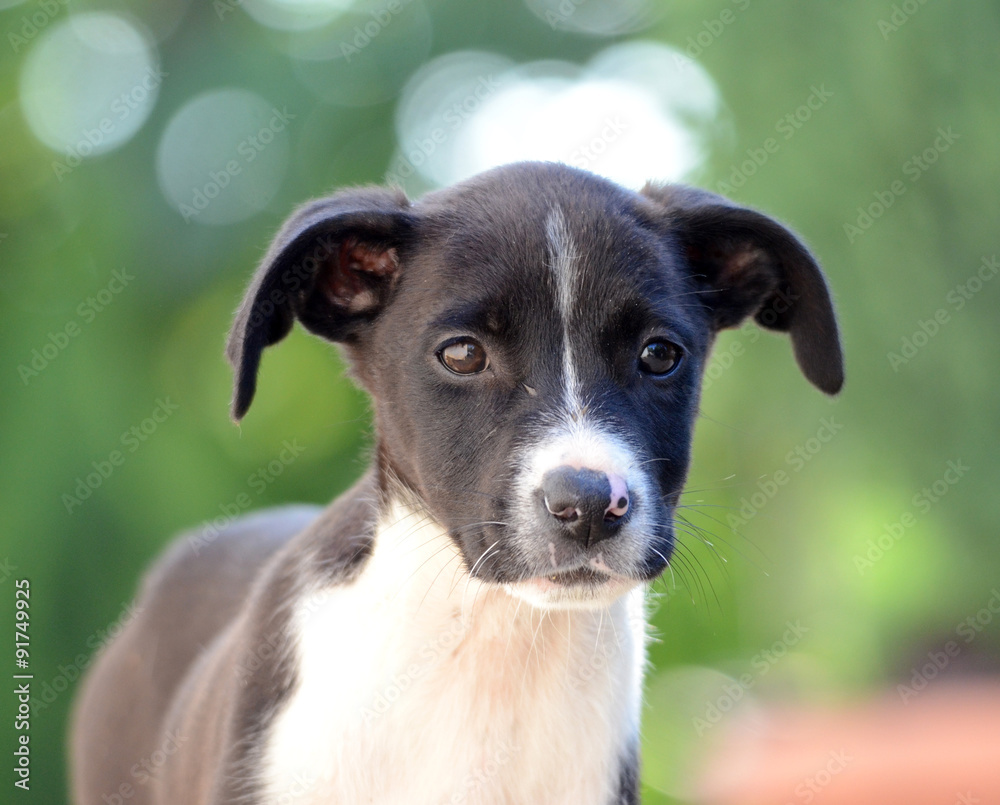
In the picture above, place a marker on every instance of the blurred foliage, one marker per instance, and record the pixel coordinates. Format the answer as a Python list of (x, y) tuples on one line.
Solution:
[(795, 559)]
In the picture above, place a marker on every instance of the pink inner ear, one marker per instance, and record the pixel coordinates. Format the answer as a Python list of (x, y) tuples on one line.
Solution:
[(732, 263), (349, 281), (742, 258)]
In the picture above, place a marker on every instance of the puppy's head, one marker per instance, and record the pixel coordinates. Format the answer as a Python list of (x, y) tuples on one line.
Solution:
[(533, 340)]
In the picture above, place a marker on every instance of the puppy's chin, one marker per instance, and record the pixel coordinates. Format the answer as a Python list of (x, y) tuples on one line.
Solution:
[(579, 589)]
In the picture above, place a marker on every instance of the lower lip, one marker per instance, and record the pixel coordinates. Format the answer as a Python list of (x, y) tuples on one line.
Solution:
[(572, 578)]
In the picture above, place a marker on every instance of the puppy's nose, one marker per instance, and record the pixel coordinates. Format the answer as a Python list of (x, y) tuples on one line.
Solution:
[(590, 504)]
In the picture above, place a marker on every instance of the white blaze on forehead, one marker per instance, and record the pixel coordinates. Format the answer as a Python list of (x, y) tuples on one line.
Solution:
[(578, 441), (563, 264)]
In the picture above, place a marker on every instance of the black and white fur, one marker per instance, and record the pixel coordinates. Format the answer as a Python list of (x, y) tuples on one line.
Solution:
[(446, 631)]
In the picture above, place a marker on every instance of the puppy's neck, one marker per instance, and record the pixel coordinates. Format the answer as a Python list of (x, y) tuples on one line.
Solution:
[(420, 566)]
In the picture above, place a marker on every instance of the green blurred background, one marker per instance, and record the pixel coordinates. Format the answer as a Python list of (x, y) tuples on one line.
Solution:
[(116, 298)]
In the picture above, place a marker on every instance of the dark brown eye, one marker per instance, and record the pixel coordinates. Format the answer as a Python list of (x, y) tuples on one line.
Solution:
[(465, 357), (659, 358)]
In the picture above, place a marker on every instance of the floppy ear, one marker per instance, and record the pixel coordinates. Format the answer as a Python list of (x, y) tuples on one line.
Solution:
[(751, 264), (332, 266)]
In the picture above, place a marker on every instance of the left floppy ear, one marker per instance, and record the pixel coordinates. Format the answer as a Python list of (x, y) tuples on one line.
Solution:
[(332, 266), (752, 265)]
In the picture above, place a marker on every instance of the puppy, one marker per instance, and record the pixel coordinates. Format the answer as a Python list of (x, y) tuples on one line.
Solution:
[(466, 623)]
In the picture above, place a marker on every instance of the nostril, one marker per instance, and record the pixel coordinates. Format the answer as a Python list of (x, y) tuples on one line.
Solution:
[(618, 500), (562, 512), (616, 511)]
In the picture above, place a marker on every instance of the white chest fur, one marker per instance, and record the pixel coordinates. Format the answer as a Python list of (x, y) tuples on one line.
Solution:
[(419, 685)]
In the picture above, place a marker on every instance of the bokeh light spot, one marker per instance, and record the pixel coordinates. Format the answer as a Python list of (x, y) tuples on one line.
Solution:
[(295, 15), (89, 84), (366, 55), (223, 156), (595, 17), (437, 101), (638, 111), (689, 710)]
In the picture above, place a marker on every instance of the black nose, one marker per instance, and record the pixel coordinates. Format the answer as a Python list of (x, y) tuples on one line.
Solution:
[(581, 499)]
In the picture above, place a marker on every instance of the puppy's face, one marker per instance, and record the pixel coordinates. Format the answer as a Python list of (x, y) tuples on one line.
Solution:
[(541, 355), (533, 340)]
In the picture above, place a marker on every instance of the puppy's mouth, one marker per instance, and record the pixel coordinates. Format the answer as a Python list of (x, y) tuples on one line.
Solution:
[(585, 579), (575, 587), (561, 573), (582, 576)]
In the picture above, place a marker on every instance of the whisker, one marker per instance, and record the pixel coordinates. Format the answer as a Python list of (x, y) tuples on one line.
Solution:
[(727, 543), (510, 631), (472, 572), (420, 567), (437, 576)]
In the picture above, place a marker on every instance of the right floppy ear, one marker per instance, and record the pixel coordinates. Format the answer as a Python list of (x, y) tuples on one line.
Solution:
[(332, 266), (749, 264)]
